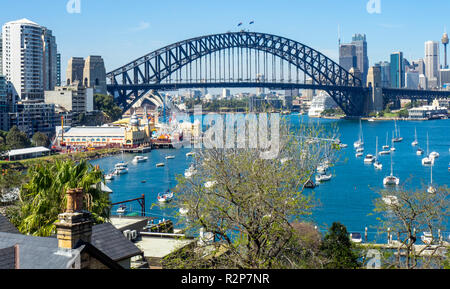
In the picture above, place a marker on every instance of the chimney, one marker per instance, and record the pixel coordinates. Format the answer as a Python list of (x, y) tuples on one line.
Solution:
[(74, 224)]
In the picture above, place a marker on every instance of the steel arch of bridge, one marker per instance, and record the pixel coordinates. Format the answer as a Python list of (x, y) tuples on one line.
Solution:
[(132, 81)]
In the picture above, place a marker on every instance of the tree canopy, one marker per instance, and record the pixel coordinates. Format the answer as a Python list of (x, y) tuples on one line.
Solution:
[(40, 140), (17, 139), (106, 104)]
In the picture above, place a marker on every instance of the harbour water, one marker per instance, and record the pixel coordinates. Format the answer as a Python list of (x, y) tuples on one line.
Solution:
[(348, 197)]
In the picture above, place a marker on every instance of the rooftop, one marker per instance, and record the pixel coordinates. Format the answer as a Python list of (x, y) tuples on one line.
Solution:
[(95, 131), (159, 247), (28, 151)]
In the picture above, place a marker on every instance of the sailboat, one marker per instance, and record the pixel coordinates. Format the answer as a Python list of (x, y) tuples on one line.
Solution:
[(431, 189), (121, 164), (386, 147), (427, 160), (377, 164), (391, 179), (360, 141), (397, 137), (415, 142), (392, 146)]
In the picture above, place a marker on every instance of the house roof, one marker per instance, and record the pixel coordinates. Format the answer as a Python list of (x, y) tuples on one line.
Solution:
[(6, 226), (38, 252), (113, 243), (28, 151), (8, 258)]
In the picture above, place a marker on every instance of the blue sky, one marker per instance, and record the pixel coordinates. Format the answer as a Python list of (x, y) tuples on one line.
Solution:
[(123, 30)]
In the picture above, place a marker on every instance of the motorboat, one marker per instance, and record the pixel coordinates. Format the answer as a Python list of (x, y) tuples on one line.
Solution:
[(391, 180), (190, 154), (166, 197), (139, 159), (121, 165), (390, 200), (120, 171), (384, 152), (321, 169), (415, 142), (359, 155), (121, 210), (160, 165), (434, 155), (109, 177), (170, 157), (323, 178), (419, 152), (161, 199), (369, 159), (356, 237), (343, 145), (427, 238), (360, 149)]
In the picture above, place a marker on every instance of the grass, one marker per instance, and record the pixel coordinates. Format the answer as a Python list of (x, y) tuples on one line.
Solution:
[(89, 155)]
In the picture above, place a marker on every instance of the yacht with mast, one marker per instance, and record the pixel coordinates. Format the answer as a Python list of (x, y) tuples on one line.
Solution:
[(360, 142), (396, 137), (391, 180), (377, 164), (431, 189), (427, 160), (415, 142), (392, 146), (386, 147)]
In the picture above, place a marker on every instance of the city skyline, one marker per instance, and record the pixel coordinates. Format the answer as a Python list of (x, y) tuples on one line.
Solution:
[(138, 34)]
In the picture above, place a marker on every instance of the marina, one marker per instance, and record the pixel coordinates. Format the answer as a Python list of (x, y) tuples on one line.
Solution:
[(352, 189)]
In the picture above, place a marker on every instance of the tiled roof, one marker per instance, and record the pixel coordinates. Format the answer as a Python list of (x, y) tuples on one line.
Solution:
[(6, 226), (7, 258), (38, 252), (113, 243)]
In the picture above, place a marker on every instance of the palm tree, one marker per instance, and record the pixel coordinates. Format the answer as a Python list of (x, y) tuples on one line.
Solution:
[(43, 197)]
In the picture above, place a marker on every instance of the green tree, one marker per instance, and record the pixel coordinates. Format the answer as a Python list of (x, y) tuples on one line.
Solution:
[(44, 196), (337, 248), (106, 104), (17, 139), (403, 113), (40, 140), (249, 203)]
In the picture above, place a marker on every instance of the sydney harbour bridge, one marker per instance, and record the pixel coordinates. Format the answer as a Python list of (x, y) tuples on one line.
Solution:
[(247, 60)]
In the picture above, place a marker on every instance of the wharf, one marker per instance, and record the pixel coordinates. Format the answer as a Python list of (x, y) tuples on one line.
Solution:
[(139, 150)]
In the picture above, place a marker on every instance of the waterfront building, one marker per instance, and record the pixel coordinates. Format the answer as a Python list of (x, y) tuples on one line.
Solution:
[(397, 75), (33, 116), (226, 93), (74, 98), (320, 103), (428, 111), (29, 59), (359, 40), (432, 63), (347, 56)]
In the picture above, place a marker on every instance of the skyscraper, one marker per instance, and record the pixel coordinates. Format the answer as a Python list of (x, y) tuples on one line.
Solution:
[(397, 74), (347, 56), (29, 59), (385, 71), (58, 69), (359, 40), (432, 63)]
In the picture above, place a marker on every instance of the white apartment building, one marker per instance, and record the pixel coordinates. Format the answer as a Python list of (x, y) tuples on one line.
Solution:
[(29, 59)]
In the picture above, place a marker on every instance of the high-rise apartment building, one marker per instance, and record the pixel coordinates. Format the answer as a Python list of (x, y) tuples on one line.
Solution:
[(432, 63), (397, 75), (362, 60), (347, 56), (4, 106), (29, 59)]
